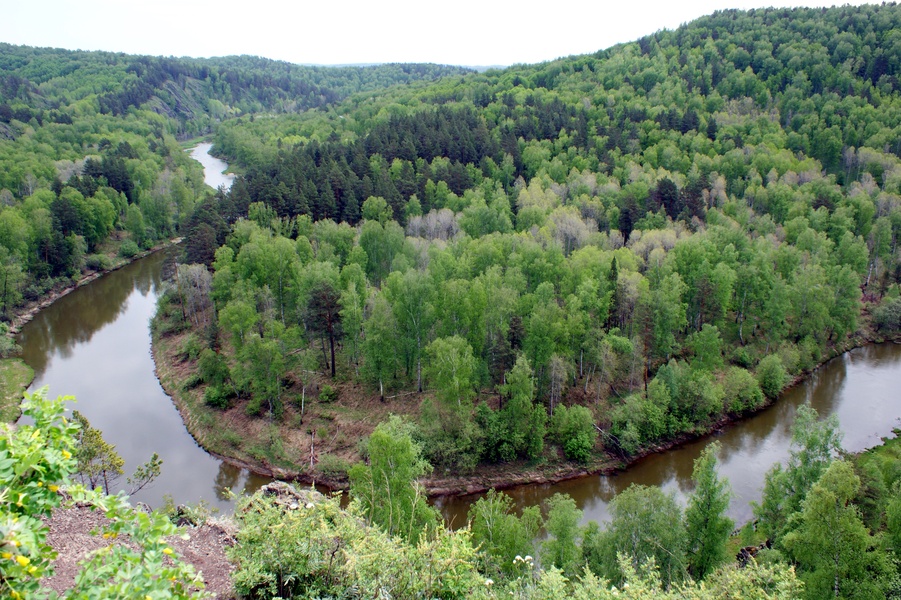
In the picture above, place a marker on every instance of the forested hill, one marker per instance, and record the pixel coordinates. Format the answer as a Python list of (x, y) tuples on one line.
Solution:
[(89, 152), (50, 83), (738, 93), (657, 236)]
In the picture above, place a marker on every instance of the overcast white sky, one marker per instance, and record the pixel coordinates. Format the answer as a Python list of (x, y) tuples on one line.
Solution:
[(460, 32)]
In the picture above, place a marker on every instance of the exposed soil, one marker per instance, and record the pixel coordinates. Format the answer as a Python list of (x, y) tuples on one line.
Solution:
[(70, 535)]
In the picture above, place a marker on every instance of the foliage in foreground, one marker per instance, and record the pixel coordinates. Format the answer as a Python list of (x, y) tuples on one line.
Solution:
[(316, 549), (301, 544), (35, 461)]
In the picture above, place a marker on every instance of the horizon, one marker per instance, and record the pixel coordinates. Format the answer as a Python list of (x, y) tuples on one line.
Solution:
[(399, 31)]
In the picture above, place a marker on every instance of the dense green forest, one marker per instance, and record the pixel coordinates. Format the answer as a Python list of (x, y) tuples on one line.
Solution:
[(565, 263), (89, 147), (604, 252)]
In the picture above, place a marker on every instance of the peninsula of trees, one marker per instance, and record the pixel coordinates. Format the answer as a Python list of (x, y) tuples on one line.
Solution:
[(425, 270)]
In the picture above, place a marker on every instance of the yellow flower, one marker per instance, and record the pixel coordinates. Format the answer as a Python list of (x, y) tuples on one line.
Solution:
[(23, 560), (40, 484), (15, 595), (17, 543), (53, 488), (67, 455), (167, 551), (7, 555), (32, 570)]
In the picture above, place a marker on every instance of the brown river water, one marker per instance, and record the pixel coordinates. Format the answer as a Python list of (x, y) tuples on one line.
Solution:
[(95, 344)]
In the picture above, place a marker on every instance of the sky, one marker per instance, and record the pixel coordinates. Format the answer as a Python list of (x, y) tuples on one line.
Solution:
[(458, 32)]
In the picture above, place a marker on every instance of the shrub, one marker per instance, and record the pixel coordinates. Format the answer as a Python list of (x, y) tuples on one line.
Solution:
[(212, 368), (574, 431), (217, 397), (742, 358), (742, 391), (791, 357), (771, 375), (328, 394), (128, 249), (888, 316), (190, 348), (35, 460), (333, 466), (192, 381), (97, 262)]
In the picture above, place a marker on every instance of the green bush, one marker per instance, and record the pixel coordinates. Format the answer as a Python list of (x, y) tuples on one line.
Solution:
[(574, 431), (294, 544), (742, 391), (333, 466), (888, 316), (192, 381), (328, 394), (212, 368), (190, 348), (771, 375), (791, 358), (128, 249), (217, 397), (97, 262), (35, 460)]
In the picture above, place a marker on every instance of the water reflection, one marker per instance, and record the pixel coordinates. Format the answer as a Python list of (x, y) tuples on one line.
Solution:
[(76, 317), (859, 387), (95, 344)]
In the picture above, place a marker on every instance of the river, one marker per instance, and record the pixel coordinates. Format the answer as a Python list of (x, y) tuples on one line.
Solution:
[(860, 386), (214, 169), (95, 344)]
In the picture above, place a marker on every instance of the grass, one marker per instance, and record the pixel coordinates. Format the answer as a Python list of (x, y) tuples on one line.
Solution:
[(15, 376)]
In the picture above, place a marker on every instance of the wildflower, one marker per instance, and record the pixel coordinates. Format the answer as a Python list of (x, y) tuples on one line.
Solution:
[(23, 560), (53, 488), (67, 455), (489, 582), (167, 551), (7, 555)]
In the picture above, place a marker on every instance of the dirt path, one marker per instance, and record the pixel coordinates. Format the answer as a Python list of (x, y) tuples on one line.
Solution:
[(70, 535)]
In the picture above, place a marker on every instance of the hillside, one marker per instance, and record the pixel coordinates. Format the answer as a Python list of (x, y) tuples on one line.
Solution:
[(426, 274), (90, 161), (577, 260)]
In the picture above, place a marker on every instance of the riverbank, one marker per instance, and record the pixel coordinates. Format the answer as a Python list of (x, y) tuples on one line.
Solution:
[(15, 377), (28, 310), (15, 374), (325, 434)]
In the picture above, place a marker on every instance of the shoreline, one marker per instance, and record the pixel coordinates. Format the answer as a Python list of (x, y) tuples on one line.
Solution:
[(30, 309), (501, 476)]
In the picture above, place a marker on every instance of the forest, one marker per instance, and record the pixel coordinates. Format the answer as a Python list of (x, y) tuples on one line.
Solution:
[(595, 255), (90, 148), (562, 265)]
